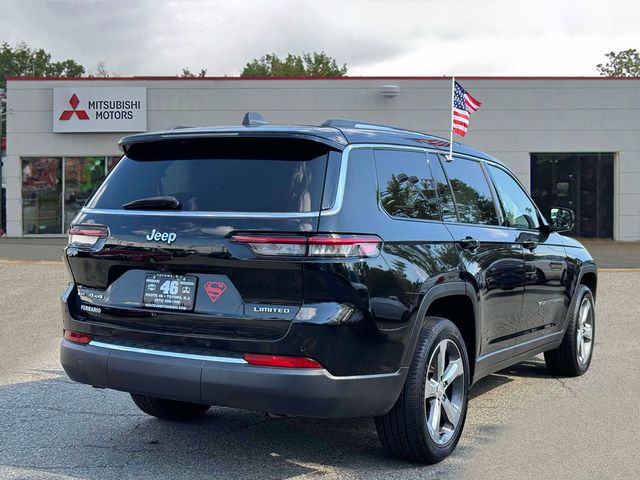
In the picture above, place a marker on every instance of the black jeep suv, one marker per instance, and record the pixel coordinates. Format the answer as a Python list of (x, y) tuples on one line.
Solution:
[(335, 271)]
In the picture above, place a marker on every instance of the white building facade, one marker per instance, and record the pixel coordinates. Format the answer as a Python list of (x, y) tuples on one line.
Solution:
[(573, 142)]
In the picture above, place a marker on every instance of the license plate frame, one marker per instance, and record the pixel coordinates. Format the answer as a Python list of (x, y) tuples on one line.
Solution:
[(160, 291)]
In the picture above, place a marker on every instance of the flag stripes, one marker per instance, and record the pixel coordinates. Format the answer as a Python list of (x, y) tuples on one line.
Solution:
[(463, 105)]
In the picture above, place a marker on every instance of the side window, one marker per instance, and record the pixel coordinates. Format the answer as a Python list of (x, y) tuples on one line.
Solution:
[(405, 185), (471, 192), (444, 192), (518, 207)]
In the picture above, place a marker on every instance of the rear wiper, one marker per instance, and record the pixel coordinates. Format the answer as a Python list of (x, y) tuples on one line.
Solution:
[(154, 203)]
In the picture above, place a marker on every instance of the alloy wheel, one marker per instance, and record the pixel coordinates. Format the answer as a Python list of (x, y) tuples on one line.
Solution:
[(444, 391), (584, 332)]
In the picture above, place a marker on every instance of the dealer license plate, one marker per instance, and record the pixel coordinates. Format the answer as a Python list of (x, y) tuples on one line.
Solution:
[(175, 292)]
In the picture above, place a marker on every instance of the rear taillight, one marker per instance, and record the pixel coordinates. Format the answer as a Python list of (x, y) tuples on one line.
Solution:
[(87, 236), (280, 361), (273, 245), (76, 337), (318, 246)]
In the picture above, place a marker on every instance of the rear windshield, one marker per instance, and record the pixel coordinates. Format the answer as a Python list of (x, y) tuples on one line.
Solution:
[(221, 175)]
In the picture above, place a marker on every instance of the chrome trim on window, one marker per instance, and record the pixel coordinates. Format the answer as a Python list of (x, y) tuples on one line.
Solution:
[(175, 213), (344, 161), (164, 353), (337, 206)]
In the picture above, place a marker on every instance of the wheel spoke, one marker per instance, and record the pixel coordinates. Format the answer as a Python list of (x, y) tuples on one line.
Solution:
[(434, 419), (451, 411), (587, 332), (430, 389), (453, 371), (580, 348), (442, 358), (584, 312)]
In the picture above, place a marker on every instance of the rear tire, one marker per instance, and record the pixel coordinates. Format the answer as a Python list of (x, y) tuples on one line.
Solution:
[(573, 357), (426, 421), (169, 409)]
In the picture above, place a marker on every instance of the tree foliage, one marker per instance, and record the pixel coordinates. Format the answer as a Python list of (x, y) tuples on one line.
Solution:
[(621, 64), (316, 64), (101, 70), (21, 60), (186, 73)]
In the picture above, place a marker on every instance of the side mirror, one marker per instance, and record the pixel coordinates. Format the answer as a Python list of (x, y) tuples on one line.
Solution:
[(562, 219)]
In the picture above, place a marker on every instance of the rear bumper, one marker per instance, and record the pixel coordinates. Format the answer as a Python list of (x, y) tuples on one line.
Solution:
[(230, 381)]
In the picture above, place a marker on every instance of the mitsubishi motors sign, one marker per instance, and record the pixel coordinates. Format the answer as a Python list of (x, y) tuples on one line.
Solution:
[(99, 109)]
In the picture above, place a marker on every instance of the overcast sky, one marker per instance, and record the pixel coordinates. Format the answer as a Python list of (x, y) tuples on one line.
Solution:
[(373, 37)]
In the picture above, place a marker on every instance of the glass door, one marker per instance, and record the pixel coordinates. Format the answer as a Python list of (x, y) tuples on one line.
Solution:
[(582, 182), (42, 195)]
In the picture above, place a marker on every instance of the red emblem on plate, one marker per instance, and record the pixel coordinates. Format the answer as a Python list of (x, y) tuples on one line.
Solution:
[(214, 290)]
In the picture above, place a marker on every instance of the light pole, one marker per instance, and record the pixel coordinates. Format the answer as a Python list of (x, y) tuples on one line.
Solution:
[(3, 101)]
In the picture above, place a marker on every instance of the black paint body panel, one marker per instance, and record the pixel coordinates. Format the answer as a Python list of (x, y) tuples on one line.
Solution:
[(356, 317)]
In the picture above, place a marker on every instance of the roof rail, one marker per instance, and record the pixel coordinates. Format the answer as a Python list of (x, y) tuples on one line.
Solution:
[(253, 119), (342, 123), (178, 127)]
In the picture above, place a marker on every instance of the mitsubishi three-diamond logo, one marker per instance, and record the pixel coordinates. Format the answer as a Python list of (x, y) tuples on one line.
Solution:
[(67, 114)]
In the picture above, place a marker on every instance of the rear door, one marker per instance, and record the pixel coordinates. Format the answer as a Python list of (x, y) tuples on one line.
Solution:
[(491, 254), (177, 270)]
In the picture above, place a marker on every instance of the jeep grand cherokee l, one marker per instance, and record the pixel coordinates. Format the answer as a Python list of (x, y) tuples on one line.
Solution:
[(333, 271)]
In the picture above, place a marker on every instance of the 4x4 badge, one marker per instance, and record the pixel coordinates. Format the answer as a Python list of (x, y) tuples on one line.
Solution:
[(214, 290)]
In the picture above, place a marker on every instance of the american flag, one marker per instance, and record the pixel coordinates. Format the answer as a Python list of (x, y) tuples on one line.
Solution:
[(463, 105)]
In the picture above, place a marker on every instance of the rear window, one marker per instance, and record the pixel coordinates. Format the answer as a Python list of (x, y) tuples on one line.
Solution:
[(221, 175)]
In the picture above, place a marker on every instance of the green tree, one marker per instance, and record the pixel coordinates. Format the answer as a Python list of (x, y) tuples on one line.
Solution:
[(621, 64), (186, 73), (21, 60), (316, 64)]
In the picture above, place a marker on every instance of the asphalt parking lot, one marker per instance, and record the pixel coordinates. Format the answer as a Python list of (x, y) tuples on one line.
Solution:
[(522, 423)]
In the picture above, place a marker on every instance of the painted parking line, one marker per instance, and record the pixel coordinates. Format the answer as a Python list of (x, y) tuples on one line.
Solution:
[(7, 261), (634, 270)]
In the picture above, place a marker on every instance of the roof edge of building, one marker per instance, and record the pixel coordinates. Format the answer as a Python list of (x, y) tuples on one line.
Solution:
[(190, 79)]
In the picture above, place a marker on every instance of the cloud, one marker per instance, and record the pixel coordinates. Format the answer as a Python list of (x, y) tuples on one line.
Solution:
[(431, 37)]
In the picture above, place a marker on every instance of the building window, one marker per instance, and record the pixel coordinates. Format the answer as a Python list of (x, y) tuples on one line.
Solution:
[(41, 195), (582, 182), (81, 177), (111, 162), (54, 190)]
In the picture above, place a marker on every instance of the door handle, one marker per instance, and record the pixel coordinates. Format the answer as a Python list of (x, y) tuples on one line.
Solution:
[(529, 244), (469, 243)]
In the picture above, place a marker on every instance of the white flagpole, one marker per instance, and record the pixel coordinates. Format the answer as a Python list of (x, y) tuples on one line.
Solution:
[(453, 87)]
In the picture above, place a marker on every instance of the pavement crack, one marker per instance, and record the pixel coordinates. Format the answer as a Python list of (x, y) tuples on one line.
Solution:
[(566, 386)]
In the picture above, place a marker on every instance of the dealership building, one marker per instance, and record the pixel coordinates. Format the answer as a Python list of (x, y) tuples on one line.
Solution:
[(573, 142)]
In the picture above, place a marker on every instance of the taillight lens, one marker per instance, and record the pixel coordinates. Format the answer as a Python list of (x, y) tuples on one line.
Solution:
[(280, 361), (327, 246), (344, 246), (76, 337), (274, 245), (87, 236)]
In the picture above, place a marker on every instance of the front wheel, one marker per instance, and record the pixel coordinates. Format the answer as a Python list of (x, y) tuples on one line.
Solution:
[(573, 357), (426, 421)]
